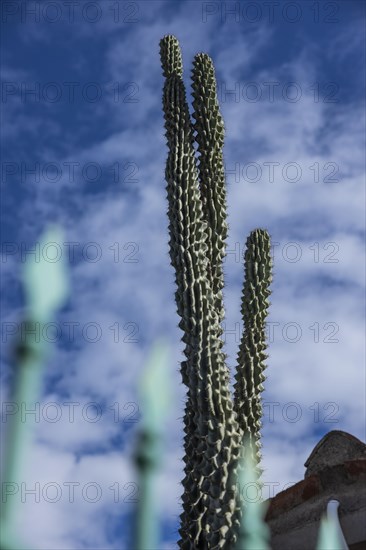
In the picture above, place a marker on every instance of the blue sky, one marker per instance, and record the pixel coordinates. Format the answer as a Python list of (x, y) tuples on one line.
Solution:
[(93, 132)]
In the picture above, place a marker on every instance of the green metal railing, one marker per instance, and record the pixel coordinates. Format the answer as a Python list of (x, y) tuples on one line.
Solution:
[(46, 288)]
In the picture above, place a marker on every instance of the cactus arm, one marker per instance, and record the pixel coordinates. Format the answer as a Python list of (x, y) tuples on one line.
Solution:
[(251, 357), (209, 135), (209, 128)]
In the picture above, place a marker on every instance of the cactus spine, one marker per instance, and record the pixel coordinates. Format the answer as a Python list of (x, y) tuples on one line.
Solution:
[(214, 422)]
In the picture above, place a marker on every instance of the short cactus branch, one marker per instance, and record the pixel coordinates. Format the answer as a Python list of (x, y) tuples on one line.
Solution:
[(251, 357)]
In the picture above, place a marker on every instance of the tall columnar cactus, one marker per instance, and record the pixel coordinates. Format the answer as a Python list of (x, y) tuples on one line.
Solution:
[(214, 423)]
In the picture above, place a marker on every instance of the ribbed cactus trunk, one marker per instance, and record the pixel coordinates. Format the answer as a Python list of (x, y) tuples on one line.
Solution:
[(198, 229)]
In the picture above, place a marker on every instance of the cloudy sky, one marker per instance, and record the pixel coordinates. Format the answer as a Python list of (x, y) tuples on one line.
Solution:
[(83, 145)]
